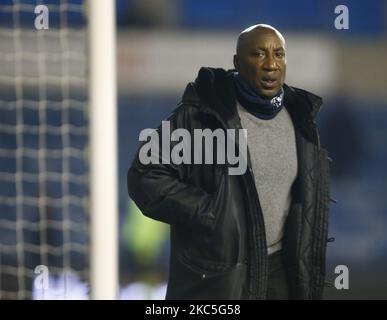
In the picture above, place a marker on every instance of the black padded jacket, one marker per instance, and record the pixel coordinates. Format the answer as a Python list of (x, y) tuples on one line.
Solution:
[(218, 243)]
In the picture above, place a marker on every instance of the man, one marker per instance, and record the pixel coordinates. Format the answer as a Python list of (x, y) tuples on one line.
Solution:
[(261, 234)]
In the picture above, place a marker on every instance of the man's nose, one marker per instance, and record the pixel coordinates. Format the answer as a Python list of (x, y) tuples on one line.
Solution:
[(270, 63)]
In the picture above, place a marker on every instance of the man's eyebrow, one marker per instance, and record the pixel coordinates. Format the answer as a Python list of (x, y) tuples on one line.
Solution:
[(264, 49)]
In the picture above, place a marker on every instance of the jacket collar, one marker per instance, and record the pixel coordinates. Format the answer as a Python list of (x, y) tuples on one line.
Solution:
[(213, 91)]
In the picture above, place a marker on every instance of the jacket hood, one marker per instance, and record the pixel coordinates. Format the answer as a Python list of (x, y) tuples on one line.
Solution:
[(215, 87)]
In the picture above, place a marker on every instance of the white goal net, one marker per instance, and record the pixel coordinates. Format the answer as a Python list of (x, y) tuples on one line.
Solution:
[(44, 157)]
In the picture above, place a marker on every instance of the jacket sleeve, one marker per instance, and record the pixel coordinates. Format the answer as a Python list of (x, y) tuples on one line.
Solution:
[(161, 193)]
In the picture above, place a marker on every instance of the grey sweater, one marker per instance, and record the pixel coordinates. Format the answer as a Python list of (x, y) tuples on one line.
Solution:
[(272, 148)]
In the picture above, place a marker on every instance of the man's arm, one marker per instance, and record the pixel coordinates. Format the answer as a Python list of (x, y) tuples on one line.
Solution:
[(160, 192)]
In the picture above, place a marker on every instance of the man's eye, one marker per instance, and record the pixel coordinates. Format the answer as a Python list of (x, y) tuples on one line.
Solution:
[(280, 54), (260, 54)]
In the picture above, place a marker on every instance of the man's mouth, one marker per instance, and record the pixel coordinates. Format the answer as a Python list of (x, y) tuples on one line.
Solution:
[(269, 82)]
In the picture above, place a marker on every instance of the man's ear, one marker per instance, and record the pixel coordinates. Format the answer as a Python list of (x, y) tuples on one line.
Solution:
[(235, 60)]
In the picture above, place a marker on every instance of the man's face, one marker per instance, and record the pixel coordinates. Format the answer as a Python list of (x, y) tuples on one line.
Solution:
[(261, 61)]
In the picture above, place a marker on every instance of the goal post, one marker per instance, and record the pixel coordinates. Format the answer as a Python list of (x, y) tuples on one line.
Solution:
[(103, 149)]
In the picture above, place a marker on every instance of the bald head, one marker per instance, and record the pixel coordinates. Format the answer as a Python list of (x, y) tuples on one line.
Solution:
[(260, 59), (255, 31)]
